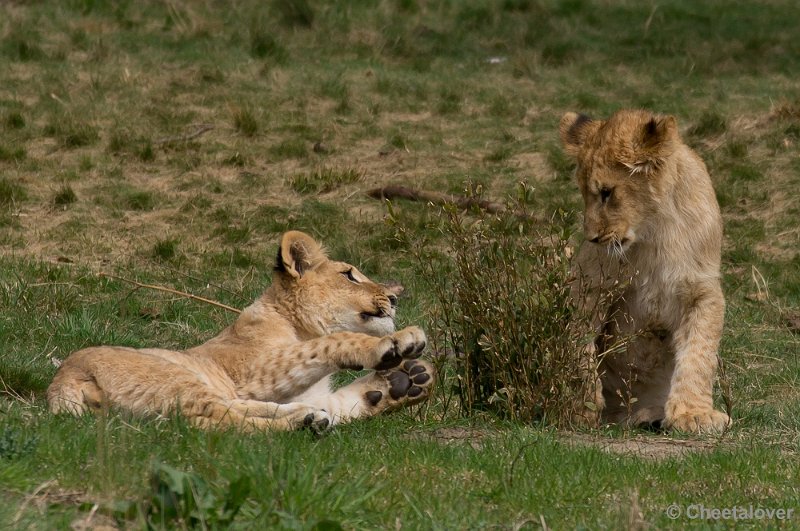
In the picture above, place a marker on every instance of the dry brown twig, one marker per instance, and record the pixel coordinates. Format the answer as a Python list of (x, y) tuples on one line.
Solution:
[(170, 290)]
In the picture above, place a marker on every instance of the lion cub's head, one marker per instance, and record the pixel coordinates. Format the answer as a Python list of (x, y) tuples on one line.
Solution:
[(620, 163), (323, 296)]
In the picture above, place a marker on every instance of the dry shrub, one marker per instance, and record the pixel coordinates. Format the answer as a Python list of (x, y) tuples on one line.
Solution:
[(502, 308)]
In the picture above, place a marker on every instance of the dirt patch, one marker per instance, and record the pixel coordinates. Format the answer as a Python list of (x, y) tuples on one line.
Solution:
[(474, 437), (533, 165), (648, 447)]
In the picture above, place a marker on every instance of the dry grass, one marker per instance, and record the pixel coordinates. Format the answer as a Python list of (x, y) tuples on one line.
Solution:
[(172, 142)]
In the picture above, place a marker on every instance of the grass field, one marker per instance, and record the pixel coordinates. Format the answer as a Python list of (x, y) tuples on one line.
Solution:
[(172, 143)]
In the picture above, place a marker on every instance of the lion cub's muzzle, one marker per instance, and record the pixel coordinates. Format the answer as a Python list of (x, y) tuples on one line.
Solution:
[(612, 239)]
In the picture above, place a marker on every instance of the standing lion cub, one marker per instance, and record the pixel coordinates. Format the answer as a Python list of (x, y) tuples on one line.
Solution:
[(270, 369), (653, 236)]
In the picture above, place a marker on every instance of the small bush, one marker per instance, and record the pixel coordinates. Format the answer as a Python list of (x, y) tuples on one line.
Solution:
[(499, 154), (138, 200), (211, 74), (11, 192), (503, 308), (295, 12), (85, 163), (14, 120), (197, 202), (123, 141), (78, 134), (12, 154), (145, 152), (245, 122), (22, 45), (290, 149), (71, 132), (65, 196), (263, 45), (165, 249), (233, 258), (323, 180), (235, 233), (398, 140), (449, 102), (236, 159), (118, 141), (711, 123)]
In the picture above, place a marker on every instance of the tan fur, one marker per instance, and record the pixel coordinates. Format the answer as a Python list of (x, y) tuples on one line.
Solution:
[(270, 368), (649, 269)]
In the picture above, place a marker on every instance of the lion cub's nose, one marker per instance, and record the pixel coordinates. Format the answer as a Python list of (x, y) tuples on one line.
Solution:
[(393, 300), (596, 239)]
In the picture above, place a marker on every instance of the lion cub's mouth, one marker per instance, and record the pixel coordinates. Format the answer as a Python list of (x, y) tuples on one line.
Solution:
[(612, 240), (377, 314)]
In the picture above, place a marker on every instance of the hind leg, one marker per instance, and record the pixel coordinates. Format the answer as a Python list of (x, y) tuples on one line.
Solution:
[(253, 415), (74, 391), (154, 381), (405, 385)]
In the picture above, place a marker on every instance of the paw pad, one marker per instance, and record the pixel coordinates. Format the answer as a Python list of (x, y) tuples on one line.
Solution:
[(406, 384), (390, 358), (316, 422), (373, 397), (399, 384)]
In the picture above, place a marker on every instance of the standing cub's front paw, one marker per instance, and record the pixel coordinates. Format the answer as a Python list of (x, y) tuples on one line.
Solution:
[(698, 421), (405, 344)]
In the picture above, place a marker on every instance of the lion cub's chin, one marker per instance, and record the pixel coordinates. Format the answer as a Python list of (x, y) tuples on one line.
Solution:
[(626, 241), (374, 326), (378, 326)]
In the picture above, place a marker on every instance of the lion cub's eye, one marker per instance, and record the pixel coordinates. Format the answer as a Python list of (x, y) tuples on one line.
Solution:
[(350, 276), (605, 194)]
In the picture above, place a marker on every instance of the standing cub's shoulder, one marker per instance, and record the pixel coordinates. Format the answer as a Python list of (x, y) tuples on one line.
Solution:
[(650, 211)]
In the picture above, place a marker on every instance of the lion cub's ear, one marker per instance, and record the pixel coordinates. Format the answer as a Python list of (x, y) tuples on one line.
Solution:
[(575, 129), (298, 254), (656, 141)]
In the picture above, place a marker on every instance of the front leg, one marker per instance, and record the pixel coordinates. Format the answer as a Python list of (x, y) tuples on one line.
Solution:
[(292, 368), (689, 404), (348, 350)]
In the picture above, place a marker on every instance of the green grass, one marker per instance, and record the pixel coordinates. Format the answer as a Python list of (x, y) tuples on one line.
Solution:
[(438, 95)]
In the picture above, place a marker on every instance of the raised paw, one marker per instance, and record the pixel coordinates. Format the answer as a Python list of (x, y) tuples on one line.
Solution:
[(699, 421), (408, 343), (405, 385), (316, 420)]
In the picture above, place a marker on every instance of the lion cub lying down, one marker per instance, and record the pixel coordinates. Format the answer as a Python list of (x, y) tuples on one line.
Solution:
[(651, 222), (270, 369)]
